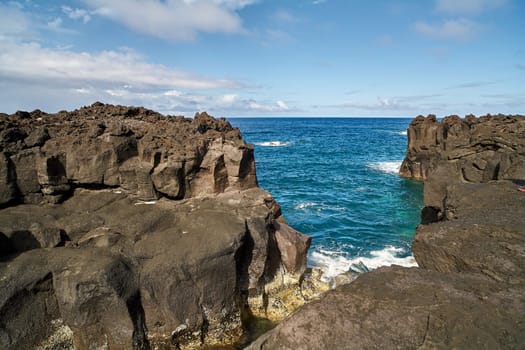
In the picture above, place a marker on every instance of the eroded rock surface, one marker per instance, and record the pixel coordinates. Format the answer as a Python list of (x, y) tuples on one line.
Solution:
[(45, 156), (121, 228), (406, 308), (456, 150), (485, 233)]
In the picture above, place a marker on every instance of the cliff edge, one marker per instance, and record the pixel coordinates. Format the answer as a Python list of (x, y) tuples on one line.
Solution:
[(121, 228), (456, 150)]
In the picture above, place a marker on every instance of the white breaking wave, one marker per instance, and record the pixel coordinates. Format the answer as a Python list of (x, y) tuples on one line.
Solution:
[(334, 263), (273, 144), (318, 206), (304, 205), (385, 167), (404, 133)]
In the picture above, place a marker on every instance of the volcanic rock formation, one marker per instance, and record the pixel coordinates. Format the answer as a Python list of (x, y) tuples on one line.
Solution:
[(122, 228), (469, 291), (469, 150)]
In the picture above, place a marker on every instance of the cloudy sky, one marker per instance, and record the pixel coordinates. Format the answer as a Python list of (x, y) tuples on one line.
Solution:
[(265, 57)]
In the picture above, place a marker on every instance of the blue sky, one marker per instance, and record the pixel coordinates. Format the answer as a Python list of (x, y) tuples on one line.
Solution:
[(265, 58)]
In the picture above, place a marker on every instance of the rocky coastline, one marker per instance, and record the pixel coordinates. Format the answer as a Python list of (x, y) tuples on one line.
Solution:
[(121, 228), (468, 291)]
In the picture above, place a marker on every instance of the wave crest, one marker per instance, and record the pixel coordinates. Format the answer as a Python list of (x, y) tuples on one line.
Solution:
[(386, 167), (273, 144), (333, 263)]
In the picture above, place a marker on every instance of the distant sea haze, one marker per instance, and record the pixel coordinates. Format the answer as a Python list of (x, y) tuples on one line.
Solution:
[(336, 180)]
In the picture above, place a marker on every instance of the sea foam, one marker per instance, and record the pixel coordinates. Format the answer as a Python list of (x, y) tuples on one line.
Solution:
[(335, 263), (273, 144), (385, 167), (304, 205)]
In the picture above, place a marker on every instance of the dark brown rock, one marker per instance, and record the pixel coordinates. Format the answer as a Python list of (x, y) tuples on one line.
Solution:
[(37, 137), (8, 189), (484, 233), (121, 228), (406, 308), (293, 247), (457, 150), (104, 145)]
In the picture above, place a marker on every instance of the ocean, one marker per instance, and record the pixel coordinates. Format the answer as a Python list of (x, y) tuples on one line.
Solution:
[(336, 180)]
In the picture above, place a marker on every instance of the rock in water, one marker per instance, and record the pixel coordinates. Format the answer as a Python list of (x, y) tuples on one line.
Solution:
[(122, 228)]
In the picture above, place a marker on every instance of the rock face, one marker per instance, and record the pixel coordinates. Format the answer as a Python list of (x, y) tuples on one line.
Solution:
[(469, 150), (147, 155), (121, 228), (468, 292)]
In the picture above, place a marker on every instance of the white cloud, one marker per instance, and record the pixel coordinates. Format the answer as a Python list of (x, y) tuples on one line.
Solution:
[(125, 67), (381, 104), (15, 24), (175, 93), (233, 4), (456, 29), (55, 23), (77, 13), (229, 98), (173, 19), (82, 91), (33, 77), (282, 105), (467, 7), (189, 103), (252, 105)]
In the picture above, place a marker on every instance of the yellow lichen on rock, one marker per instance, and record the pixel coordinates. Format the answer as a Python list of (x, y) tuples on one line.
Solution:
[(286, 293)]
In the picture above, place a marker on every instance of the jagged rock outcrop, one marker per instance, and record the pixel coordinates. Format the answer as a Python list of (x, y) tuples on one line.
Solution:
[(468, 292), (44, 155), (455, 150), (121, 228)]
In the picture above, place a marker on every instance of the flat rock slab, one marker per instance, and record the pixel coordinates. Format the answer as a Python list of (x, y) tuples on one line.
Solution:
[(485, 233), (407, 308)]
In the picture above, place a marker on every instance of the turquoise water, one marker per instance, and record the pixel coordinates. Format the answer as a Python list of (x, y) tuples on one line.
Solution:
[(336, 180)]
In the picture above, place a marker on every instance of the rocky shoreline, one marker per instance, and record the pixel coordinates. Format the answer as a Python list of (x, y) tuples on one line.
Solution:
[(468, 292), (122, 228)]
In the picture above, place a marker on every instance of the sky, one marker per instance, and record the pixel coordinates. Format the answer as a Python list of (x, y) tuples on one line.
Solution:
[(265, 57)]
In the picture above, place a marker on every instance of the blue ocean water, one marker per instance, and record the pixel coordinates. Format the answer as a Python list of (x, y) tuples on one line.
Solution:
[(336, 180)]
